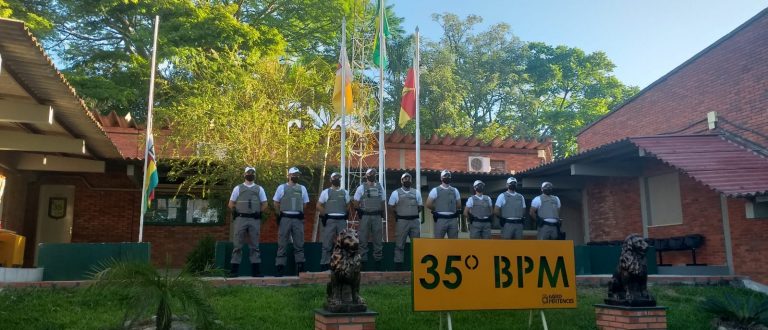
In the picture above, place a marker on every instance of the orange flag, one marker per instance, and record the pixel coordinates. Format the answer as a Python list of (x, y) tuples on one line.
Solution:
[(408, 104)]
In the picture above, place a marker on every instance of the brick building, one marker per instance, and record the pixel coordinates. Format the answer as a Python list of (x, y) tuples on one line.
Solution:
[(69, 175), (496, 160), (687, 155)]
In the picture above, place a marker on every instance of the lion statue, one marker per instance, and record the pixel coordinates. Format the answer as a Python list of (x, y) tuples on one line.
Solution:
[(343, 290), (629, 284)]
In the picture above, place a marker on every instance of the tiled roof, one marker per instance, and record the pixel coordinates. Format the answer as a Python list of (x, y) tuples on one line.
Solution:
[(24, 56), (712, 160), (721, 165), (468, 141)]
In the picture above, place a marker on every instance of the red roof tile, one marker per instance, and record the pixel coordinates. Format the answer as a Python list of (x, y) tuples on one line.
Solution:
[(710, 159)]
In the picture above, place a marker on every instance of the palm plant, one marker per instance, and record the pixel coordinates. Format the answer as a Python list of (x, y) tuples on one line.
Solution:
[(147, 288), (742, 312)]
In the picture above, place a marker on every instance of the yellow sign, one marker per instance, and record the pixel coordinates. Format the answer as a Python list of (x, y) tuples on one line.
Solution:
[(463, 274)]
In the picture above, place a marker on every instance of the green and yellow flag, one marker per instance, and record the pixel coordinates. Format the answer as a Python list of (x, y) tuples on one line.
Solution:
[(380, 59)]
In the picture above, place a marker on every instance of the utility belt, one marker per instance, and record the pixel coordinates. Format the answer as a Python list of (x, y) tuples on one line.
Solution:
[(361, 212), (255, 215), (324, 218), (553, 224), (300, 215), (473, 218), (516, 221), (406, 217), (437, 215)]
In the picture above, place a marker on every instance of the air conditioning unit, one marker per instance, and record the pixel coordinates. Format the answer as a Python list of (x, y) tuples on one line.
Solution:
[(479, 164)]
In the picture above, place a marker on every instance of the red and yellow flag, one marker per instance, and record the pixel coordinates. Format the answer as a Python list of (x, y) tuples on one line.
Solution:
[(408, 104)]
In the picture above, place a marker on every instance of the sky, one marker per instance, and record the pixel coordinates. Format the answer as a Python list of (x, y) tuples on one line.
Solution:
[(644, 39)]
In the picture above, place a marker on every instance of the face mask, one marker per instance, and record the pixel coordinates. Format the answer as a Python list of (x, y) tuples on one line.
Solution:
[(547, 191), (250, 177), (407, 184), (370, 178), (294, 179), (511, 187), (336, 182), (446, 180), (478, 189)]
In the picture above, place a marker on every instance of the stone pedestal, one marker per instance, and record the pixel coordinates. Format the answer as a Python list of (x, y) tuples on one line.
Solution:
[(611, 317), (325, 320)]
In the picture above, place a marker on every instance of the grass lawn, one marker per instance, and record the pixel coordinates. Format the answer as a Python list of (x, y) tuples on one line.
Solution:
[(292, 308)]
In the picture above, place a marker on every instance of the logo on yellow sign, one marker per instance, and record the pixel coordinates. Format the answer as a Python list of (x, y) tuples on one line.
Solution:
[(492, 274)]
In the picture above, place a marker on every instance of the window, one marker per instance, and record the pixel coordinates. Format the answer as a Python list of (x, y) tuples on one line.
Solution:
[(663, 200), (186, 210), (498, 166), (2, 189), (757, 208)]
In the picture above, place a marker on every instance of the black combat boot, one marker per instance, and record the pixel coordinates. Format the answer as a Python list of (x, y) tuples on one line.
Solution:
[(324, 267), (299, 268), (256, 270), (234, 270), (280, 271)]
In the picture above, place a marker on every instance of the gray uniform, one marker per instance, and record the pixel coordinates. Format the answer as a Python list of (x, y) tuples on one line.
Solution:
[(548, 210), (291, 226), (480, 210), (248, 222), (407, 209), (512, 215), (446, 202), (370, 224), (336, 204)]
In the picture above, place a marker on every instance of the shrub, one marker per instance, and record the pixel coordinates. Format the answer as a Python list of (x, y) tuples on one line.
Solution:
[(742, 312), (201, 259)]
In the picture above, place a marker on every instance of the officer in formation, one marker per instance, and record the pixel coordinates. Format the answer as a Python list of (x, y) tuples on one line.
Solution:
[(479, 211), (369, 202), (510, 207), (333, 207), (290, 199), (406, 204), (546, 208), (445, 203), (247, 202)]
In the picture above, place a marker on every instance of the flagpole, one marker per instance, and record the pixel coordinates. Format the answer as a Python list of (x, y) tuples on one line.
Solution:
[(343, 165), (149, 128), (416, 74), (382, 56)]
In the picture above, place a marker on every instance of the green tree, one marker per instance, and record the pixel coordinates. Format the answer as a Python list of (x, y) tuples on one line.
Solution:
[(566, 90), (231, 111), (35, 13)]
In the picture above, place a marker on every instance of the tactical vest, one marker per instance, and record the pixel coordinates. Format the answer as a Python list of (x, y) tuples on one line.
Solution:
[(446, 199), (292, 199), (407, 204), (548, 208), (481, 207), (371, 199), (337, 201), (513, 206), (248, 199)]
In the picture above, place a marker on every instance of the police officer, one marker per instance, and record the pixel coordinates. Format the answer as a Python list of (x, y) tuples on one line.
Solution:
[(247, 202), (445, 203), (547, 208), (290, 199), (406, 204), (479, 210), (369, 202), (510, 207), (333, 207)]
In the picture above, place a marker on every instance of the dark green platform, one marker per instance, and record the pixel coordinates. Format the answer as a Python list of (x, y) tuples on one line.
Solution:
[(312, 252), (75, 261)]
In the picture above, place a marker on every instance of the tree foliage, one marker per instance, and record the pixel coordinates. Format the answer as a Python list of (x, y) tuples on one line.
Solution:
[(490, 84)]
